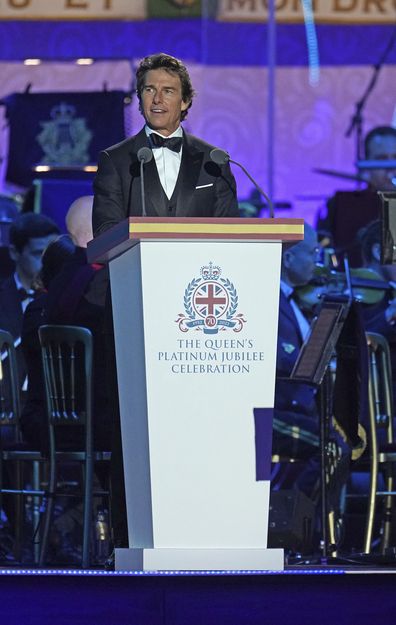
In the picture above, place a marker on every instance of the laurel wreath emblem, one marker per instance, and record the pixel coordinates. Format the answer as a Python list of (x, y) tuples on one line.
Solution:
[(232, 320), (187, 297), (233, 297)]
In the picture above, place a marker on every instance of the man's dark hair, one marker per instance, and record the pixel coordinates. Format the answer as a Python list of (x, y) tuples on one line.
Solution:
[(30, 226), (378, 131), (171, 65), (54, 257)]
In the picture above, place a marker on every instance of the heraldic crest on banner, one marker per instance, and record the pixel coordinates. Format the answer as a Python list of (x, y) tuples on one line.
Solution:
[(64, 139), (210, 304)]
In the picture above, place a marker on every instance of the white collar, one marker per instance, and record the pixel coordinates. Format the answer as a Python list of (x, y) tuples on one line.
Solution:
[(19, 284), (286, 289), (177, 133)]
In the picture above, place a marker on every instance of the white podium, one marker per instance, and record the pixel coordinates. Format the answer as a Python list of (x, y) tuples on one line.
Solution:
[(195, 306)]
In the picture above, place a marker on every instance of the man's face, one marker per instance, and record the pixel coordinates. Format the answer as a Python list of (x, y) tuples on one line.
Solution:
[(161, 101), (28, 261), (382, 148), (300, 260)]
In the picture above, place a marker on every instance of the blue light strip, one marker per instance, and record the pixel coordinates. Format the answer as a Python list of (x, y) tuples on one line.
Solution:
[(103, 573), (312, 42)]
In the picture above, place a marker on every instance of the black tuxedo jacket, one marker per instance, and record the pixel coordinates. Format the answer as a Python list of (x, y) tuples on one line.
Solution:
[(290, 396), (11, 313), (289, 337), (203, 188), (11, 317)]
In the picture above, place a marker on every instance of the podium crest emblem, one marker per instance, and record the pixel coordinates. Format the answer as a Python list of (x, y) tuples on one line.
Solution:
[(210, 303)]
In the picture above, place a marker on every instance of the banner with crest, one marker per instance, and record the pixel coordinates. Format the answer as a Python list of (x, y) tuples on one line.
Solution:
[(60, 130)]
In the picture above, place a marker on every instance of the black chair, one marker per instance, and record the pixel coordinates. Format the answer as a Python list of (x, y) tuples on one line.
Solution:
[(67, 356), (382, 447), (14, 450)]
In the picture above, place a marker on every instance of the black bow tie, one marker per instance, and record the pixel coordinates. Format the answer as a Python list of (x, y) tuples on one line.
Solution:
[(24, 294), (174, 143)]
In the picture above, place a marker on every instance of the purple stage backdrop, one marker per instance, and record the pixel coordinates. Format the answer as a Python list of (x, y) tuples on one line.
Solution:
[(229, 72)]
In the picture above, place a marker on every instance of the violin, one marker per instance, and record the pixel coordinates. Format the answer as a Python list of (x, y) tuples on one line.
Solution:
[(368, 286)]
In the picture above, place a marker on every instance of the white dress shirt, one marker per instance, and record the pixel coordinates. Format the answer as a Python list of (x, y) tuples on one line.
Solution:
[(168, 162), (30, 292)]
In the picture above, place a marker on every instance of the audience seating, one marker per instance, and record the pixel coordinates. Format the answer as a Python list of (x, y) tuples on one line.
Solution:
[(14, 451), (67, 356)]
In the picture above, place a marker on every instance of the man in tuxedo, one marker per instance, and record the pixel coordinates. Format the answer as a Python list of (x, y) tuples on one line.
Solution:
[(29, 236), (180, 179)]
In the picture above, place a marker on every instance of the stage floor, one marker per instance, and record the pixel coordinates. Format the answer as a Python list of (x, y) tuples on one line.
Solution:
[(300, 595)]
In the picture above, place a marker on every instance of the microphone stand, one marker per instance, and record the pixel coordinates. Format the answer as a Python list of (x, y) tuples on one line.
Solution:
[(144, 214), (270, 205), (357, 118), (144, 156), (220, 157)]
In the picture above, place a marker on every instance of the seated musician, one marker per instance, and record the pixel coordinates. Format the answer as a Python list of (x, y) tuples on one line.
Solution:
[(29, 235), (296, 426), (34, 417), (379, 145), (296, 423), (379, 309), (74, 295)]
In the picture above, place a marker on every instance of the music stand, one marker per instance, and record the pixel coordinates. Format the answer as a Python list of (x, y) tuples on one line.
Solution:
[(311, 368), (316, 352)]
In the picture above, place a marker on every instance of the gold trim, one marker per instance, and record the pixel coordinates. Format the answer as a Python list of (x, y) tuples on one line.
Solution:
[(195, 228)]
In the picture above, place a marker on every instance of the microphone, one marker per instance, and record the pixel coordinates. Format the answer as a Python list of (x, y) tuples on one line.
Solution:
[(220, 157), (144, 156)]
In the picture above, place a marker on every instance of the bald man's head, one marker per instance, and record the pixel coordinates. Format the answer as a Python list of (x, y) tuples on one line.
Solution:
[(298, 261), (79, 220)]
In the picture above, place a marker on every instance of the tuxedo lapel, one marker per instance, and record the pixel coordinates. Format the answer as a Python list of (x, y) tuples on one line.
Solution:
[(188, 176), (154, 194), (287, 310), (11, 313)]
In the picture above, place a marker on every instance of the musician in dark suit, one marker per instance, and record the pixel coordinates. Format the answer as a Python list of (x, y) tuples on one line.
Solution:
[(296, 421), (29, 236), (379, 145), (379, 316), (180, 180)]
